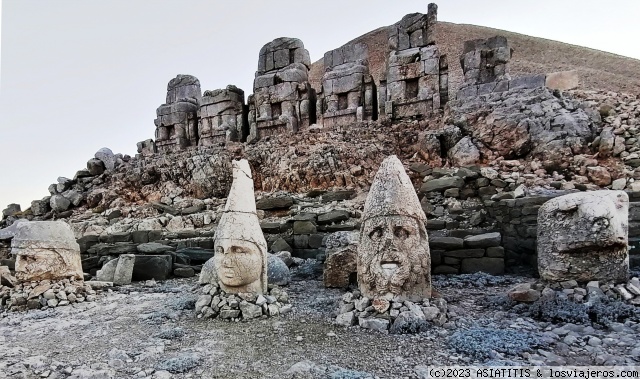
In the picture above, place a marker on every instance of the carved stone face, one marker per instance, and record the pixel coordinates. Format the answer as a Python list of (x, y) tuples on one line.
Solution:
[(239, 265), (46, 250), (583, 236), (394, 258)]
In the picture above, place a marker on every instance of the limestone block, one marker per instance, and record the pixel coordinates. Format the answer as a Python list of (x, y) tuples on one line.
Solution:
[(393, 254), (107, 272), (563, 80), (124, 269), (340, 268), (46, 250), (584, 237)]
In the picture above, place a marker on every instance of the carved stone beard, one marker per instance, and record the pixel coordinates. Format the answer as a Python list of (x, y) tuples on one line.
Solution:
[(394, 258)]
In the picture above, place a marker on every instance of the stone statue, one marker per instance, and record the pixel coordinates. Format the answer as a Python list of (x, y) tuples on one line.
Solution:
[(46, 250), (240, 260), (584, 237), (393, 253)]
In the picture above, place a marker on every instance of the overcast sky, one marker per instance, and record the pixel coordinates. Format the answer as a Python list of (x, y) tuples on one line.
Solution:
[(79, 75)]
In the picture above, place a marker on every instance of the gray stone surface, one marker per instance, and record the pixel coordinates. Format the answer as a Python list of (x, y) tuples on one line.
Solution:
[(393, 250), (584, 237), (277, 271), (124, 269)]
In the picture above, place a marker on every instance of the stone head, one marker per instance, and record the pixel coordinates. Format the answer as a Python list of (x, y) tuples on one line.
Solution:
[(240, 259), (46, 250), (584, 236), (393, 253)]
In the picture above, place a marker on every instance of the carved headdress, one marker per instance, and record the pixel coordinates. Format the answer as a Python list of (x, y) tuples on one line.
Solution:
[(240, 220), (392, 193)]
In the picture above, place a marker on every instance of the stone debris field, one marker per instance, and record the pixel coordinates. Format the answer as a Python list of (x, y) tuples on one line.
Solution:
[(366, 222)]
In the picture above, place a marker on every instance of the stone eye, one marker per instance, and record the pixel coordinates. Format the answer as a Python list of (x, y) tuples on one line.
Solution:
[(400, 232), (376, 233), (219, 250)]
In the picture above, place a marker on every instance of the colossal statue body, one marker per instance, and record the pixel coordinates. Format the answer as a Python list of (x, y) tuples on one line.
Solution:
[(46, 250), (177, 119), (348, 90), (282, 99), (221, 116), (393, 253), (584, 237), (240, 261)]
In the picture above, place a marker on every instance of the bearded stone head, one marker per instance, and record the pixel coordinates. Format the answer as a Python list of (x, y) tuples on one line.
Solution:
[(584, 236), (393, 254)]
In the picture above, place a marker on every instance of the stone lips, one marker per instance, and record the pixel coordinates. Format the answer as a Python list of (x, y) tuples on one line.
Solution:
[(46, 250), (584, 237)]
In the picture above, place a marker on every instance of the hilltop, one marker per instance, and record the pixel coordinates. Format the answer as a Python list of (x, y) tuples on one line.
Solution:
[(598, 70)]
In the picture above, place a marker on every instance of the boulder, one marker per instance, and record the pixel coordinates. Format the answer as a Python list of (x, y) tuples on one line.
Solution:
[(340, 269), (277, 271), (464, 153), (59, 203), (106, 156)]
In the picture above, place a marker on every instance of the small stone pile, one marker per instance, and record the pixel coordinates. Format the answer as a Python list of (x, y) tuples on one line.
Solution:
[(48, 294), (396, 316), (628, 292), (242, 306)]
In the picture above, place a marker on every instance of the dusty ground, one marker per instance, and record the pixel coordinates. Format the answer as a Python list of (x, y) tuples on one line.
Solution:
[(119, 337)]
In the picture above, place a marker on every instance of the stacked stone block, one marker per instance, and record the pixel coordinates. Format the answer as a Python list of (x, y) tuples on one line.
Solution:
[(177, 119), (283, 99), (417, 74), (221, 116), (473, 253), (348, 90), (485, 63)]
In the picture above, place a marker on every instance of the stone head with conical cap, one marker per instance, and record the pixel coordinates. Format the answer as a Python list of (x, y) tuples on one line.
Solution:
[(240, 259), (393, 253)]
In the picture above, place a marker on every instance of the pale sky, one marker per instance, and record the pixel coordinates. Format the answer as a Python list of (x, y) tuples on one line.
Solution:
[(79, 75)]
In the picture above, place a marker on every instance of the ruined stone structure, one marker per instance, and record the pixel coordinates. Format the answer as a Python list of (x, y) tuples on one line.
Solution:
[(240, 261), (584, 237), (393, 253), (349, 93), (485, 63), (177, 119), (283, 99), (417, 74), (222, 116), (46, 250)]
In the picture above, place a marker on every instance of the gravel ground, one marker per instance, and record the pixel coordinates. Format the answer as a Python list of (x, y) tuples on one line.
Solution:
[(151, 332)]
